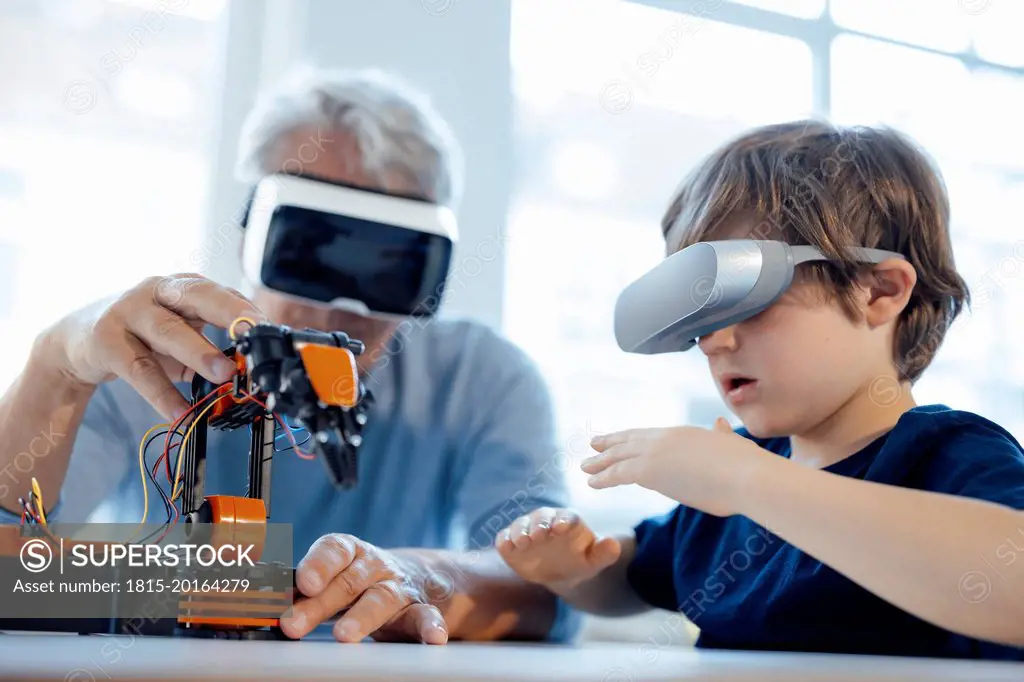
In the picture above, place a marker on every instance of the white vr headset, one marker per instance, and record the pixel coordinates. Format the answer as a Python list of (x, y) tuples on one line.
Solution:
[(708, 286), (348, 247)]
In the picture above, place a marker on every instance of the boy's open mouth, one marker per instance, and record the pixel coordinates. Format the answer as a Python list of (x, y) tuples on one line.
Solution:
[(736, 385)]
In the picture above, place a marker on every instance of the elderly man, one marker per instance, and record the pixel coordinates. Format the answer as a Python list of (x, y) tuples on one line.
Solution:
[(460, 439)]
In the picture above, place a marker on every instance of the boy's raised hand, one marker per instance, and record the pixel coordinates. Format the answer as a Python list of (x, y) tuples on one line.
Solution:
[(555, 548), (706, 469)]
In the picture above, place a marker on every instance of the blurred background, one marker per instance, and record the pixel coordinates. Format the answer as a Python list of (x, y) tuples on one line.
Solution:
[(119, 123)]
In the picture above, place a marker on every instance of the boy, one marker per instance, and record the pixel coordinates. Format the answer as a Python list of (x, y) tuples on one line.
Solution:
[(842, 517)]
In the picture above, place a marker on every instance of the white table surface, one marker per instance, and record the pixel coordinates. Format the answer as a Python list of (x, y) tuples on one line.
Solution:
[(72, 658)]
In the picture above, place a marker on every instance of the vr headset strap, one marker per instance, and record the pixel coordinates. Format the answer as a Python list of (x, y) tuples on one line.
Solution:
[(805, 253)]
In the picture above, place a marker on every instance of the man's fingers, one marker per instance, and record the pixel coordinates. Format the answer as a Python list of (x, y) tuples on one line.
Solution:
[(329, 556), (339, 594), (201, 298), (375, 608), (169, 334), (134, 362), (417, 623)]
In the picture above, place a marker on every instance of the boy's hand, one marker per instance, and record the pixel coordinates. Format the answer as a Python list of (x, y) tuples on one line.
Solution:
[(554, 548), (701, 468)]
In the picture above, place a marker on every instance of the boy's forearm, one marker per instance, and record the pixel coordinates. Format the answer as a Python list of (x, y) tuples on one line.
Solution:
[(608, 593), (39, 416), (935, 556)]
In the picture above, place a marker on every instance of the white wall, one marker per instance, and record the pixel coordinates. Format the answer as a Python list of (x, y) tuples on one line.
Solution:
[(457, 51)]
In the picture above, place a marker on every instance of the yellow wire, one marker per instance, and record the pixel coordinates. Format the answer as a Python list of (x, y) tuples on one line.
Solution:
[(142, 472), (40, 508), (181, 448), (231, 331)]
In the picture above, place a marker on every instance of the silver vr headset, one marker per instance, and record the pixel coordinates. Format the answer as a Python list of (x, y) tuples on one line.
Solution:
[(347, 247), (708, 286)]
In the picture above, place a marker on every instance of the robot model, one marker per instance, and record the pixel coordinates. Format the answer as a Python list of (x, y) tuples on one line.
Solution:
[(286, 380)]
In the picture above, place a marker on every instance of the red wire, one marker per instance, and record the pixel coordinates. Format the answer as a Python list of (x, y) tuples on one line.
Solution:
[(27, 511), (166, 456), (161, 458), (170, 525)]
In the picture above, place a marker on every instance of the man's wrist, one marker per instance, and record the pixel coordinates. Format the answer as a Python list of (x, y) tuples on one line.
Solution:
[(48, 363), (427, 573), (479, 595)]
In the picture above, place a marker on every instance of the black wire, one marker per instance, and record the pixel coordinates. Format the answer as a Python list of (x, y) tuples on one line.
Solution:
[(168, 506), (184, 426)]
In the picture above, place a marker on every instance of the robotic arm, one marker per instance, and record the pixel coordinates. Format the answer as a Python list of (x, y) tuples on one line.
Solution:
[(308, 377)]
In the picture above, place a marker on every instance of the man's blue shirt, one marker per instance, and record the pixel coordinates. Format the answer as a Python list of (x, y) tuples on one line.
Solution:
[(460, 441), (746, 588)]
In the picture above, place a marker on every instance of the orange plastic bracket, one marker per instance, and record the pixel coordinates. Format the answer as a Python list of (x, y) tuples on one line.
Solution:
[(332, 372), (239, 521)]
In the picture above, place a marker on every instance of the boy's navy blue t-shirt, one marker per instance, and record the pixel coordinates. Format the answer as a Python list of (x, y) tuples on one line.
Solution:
[(745, 588)]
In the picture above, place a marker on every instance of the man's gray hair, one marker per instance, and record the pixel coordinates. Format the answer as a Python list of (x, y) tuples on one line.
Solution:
[(394, 125)]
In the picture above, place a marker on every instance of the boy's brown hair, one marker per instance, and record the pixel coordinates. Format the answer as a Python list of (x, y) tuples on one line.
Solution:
[(809, 182)]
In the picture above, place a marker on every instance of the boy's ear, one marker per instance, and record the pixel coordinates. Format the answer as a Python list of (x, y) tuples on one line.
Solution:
[(888, 288)]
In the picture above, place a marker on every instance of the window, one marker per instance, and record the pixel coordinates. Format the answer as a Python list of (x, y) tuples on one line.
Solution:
[(615, 103), (608, 120), (106, 151)]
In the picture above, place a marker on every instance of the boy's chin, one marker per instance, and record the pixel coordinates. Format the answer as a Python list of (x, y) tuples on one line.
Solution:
[(761, 424)]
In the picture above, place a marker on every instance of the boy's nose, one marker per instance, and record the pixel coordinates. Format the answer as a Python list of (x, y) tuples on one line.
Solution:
[(718, 341)]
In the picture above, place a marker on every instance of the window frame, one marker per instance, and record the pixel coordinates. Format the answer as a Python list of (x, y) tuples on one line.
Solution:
[(818, 33)]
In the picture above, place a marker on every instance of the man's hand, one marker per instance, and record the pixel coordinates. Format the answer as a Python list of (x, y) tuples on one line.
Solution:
[(556, 549), (706, 469), (151, 336), (383, 596)]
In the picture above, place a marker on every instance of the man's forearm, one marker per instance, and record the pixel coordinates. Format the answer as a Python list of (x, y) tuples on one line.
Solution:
[(480, 597), (39, 416), (935, 556)]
